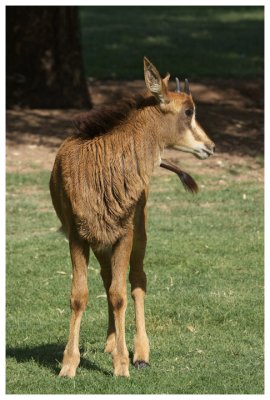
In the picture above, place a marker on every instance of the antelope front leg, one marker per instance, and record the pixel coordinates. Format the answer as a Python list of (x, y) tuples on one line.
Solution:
[(104, 258), (79, 252), (118, 298)]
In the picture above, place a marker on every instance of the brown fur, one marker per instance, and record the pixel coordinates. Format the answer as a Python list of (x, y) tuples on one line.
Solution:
[(103, 119), (103, 176), (99, 188)]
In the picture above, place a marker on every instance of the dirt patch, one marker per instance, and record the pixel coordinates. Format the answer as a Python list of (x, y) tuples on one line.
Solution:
[(231, 112)]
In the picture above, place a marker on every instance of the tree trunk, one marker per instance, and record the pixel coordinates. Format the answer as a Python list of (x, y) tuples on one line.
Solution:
[(44, 62)]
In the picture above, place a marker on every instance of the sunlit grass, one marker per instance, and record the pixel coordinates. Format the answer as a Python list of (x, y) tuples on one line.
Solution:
[(204, 307)]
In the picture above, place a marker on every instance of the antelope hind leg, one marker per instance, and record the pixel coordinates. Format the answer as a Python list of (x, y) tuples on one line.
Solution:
[(79, 252), (137, 279), (118, 298)]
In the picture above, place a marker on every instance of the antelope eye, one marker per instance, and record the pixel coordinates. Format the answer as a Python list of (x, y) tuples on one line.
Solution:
[(189, 112)]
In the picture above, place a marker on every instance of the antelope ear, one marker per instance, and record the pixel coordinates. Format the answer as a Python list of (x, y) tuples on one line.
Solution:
[(154, 82)]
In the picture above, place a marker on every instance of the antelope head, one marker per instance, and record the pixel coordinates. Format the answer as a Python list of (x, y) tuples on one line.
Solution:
[(182, 131)]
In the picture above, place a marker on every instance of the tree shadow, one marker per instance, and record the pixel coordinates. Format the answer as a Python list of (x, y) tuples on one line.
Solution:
[(198, 40), (40, 127), (231, 112), (236, 131), (49, 356)]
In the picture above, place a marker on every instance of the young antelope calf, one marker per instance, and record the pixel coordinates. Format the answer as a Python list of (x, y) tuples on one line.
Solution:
[(99, 188)]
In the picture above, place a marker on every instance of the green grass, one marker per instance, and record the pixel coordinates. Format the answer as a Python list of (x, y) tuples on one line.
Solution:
[(204, 308), (194, 42)]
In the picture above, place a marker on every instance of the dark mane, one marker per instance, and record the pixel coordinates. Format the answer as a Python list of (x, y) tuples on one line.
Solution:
[(103, 119)]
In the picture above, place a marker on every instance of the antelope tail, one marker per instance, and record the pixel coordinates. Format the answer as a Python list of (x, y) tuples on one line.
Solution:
[(188, 182)]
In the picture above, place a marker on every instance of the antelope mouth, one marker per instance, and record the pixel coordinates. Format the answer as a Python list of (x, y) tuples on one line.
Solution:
[(202, 153)]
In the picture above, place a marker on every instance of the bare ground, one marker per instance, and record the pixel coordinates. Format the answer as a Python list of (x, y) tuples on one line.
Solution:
[(231, 112)]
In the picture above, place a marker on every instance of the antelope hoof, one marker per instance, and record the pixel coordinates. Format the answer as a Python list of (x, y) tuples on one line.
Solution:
[(120, 364), (141, 364), (70, 364), (121, 370), (68, 371)]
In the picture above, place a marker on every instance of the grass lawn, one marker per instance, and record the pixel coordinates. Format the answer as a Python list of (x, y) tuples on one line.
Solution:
[(198, 41), (204, 261), (204, 307)]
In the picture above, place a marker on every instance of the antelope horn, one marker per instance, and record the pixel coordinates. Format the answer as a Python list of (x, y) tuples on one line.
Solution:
[(178, 87), (188, 182), (187, 91)]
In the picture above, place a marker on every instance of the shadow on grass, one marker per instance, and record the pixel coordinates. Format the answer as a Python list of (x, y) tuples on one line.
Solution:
[(49, 356), (199, 41)]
